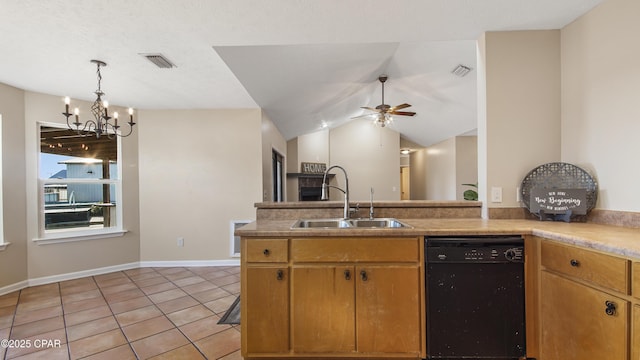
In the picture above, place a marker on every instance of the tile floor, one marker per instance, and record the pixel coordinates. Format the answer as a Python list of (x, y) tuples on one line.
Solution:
[(144, 313)]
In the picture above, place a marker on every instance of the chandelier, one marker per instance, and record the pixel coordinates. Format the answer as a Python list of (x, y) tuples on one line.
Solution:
[(383, 120), (101, 125)]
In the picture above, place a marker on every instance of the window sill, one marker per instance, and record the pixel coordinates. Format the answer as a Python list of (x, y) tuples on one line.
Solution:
[(4, 246), (81, 236)]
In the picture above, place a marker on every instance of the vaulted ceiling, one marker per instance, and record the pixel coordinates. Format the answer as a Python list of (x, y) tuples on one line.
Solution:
[(305, 62)]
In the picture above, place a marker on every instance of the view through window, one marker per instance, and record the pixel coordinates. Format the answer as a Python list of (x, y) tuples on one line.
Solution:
[(79, 181)]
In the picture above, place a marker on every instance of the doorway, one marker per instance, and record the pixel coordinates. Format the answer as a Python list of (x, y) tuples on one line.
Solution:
[(405, 183), (278, 174)]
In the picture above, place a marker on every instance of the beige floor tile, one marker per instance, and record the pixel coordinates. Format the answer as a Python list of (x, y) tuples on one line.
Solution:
[(167, 295), (51, 353), (96, 343), (10, 299), (37, 327), (188, 351), (137, 315), (91, 328), (56, 335), (210, 295), (145, 276), (190, 280), (124, 295), (81, 305), (87, 315), (202, 328), (122, 352), (81, 296), (220, 306), (131, 304), (236, 355), (158, 288), (225, 280), (108, 290), (199, 287), (159, 343), (188, 315), (147, 328), (177, 304), (40, 314), (219, 344)]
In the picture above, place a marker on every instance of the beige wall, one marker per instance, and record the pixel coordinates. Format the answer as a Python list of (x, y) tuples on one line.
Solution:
[(63, 258), (199, 170), (13, 260), (601, 100), (438, 172), (522, 119), (313, 147), (371, 157), (466, 164), (272, 139)]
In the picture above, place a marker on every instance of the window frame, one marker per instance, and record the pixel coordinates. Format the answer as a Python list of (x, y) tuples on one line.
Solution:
[(78, 234)]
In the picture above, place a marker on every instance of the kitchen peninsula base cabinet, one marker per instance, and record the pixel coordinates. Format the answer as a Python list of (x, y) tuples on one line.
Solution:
[(585, 305), (355, 297)]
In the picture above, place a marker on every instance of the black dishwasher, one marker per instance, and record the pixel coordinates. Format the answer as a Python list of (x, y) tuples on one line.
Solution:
[(475, 297)]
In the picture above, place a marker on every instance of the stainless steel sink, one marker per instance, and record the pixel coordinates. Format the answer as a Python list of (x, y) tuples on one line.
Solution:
[(377, 223), (321, 223)]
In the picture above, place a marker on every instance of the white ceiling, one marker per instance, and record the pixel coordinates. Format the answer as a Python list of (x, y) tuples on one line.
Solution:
[(305, 62)]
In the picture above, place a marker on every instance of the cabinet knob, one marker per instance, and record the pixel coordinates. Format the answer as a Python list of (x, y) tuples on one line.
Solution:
[(347, 275), (363, 275), (279, 275), (574, 263), (266, 252), (610, 308)]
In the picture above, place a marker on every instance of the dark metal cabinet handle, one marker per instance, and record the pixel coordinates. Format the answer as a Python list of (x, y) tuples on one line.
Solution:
[(266, 252), (279, 275), (347, 275), (610, 308), (363, 275), (574, 263)]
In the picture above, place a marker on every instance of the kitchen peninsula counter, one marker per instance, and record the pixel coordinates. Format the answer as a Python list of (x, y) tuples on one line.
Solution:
[(611, 239)]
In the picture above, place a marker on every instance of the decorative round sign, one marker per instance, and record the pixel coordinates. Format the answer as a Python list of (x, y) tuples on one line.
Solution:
[(559, 175)]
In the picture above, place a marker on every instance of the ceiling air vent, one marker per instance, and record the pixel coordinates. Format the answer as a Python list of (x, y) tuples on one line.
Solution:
[(159, 60), (461, 70)]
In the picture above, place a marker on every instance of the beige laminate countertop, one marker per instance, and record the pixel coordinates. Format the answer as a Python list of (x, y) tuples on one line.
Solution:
[(612, 239)]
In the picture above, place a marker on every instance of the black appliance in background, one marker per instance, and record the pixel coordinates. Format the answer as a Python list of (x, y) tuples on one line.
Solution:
[(475, 297)]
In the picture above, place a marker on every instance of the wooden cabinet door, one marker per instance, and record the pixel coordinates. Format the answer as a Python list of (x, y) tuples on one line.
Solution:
[(267, 309), (575, 324), (635, 344), (323, 316), (388, 309)]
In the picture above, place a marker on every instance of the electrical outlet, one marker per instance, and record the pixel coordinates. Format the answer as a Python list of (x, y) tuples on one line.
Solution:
[(496, 194), (180, 242)]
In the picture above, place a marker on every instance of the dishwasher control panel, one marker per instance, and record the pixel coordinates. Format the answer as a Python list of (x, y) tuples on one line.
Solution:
[(474, 250)]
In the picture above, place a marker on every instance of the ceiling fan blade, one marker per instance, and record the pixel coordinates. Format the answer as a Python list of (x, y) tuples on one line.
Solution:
[(403, 113), (370, 108), (401, 106)]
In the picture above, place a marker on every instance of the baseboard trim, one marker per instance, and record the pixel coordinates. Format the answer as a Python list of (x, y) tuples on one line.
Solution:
[(14, 287), (190, 263), (108, 269), (83, 273)]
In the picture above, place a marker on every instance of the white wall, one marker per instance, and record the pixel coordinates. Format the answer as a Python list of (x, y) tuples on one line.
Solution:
[(466, 164), (441, 171), (601, 100), (199, 170), (371, 157)]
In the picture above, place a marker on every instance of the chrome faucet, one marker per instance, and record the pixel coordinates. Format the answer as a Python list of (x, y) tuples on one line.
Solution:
[(325, 189), (371, 205)]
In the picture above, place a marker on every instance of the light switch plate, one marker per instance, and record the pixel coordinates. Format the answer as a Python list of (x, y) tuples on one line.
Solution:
[(496, 194)]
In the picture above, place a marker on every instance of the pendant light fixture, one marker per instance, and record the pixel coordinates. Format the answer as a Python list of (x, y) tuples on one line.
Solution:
[(101, 124)]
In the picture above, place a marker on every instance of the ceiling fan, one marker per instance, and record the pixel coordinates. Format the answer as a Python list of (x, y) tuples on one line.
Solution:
[(384, 112)]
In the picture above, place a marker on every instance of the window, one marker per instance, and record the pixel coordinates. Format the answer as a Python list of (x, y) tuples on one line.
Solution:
[(80, 187)]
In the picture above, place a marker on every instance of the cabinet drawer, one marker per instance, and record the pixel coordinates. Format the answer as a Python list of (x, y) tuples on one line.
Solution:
[(601, 269), (267, 250), (635, 285), (355, 249)]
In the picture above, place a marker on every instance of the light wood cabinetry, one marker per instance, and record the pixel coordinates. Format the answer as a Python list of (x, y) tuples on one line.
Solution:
[(265, 296), (635, 350), (584, 304), (346, 297)]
